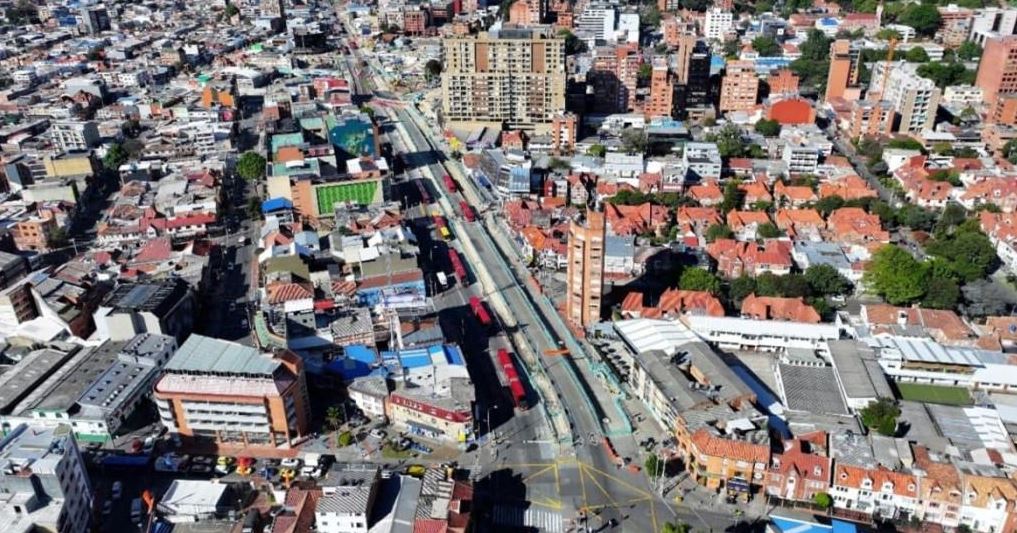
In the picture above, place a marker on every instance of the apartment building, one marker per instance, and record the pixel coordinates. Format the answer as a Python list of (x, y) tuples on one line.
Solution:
[(914, 98), (717, 23), (513, 75), (225, 392), (997, 70), (43, 481), (564, 131), (661, 101), (75, 136), (585, 270), (871, 119), (740, 87), (843, 69)]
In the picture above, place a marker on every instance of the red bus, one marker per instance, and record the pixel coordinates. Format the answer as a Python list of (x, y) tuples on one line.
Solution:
[(457, 265), (515, 385), (450, 183), (480, 311), (467, 211)]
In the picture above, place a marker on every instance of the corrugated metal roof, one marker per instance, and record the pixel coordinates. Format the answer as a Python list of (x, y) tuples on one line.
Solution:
[(644, 334), (215, 356)]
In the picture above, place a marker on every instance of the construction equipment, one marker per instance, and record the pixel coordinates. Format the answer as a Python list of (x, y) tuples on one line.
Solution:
[(891, 48), (553, 353)]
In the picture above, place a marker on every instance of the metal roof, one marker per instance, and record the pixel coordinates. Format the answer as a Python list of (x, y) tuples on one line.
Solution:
[(644, 334), (928, 351), (206, 355)]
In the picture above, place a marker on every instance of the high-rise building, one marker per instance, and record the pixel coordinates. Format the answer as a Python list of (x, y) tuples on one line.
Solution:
[(661, 100), (685, 44), (694, 94), (740, 87), (871, 119), (74, 136), (841, 66), (989, 22), (43, 481), (513, 76), (997, 71), (717, 24), (914, 99), (614, 77), (222, 391), (564, 128), (96, 19), (597, 20), (585, 271)]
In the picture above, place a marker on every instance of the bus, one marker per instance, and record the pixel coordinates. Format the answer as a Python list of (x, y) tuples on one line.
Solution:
[(515, 385), (480, 311)]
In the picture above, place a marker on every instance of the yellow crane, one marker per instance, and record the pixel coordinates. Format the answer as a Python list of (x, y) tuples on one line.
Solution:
[(889, 66)]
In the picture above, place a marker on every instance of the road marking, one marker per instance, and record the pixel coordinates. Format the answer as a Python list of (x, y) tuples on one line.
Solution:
[(599, 486), (619, 480), (538, 472), (532, 518)]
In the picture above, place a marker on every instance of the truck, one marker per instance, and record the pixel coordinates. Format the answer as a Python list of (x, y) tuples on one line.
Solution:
[(468, 213), (480, 311)]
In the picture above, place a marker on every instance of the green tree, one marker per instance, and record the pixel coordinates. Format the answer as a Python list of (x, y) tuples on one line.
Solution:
[(628, 197), (251, 166), (946, 74), (768, 128), (895, 275), (822, 500), (644, 73), (653, 465), (950, 217), (825, 280), (881, 416), (115, 156), (768, 230), (766, 46), (886, 34), (967, 253), (764, 6), (917, 54), (650, 16), (597, 150), (699, 279), (633, 140), (231, 10), (905, 143), (816, 46), (718, 231), (675, 527), (345, 439), (432, 69), (23, 12), (829, 204), (942, 293), (740, 288), (734, 197), (732, 48), (573, 45), (729, 141), (559, 164), (969, 51), (924, 18)]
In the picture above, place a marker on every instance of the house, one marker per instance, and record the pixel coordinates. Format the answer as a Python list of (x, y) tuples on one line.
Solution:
[(707, 194), (853, 225), (1001, 192), (942, 325), (804, 224), (754, 192), (636, 219), (696, 220), (720, 463), (876, 491), (672, 303), (774, 308), (1001, 229), (849, 187), (793, 195), (988, 503), (745, 223), (801, 471), (940, 488), (736, 259)]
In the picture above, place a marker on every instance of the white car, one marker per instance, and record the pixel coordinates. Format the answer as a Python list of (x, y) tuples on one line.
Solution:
[(291, 462), (311, 471)]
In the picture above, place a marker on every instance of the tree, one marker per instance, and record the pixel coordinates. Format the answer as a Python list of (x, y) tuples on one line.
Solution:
[(881, 416), (942, 293), (23, 12), (559, 164), (987, 298), (573, 45), (718, 231), (969, 50), (924, 18), (633, 140), (674, 527), (764, 6), (345, 439), (766, 46), (115, 156), (650, 16), (654, 466), (729, 141), (886, 34), (946, 74), (917, 54), (432, 69), (822, 500), (768, 230), (734, 197), (949, 218), (251, 166), (905, 143), (644, 73), (828, 205), (895, 275), (768, 128), (967, 253), (825, 280), (699, 279), (1010, 151), (740, 288), (597, 150), (628, 197), (231, 11), (333, 417)]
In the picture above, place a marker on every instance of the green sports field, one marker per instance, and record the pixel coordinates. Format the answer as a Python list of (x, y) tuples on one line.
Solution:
[(919, 392)]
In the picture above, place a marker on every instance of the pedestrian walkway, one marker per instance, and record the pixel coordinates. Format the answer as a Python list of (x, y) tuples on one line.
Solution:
[(514, 516)]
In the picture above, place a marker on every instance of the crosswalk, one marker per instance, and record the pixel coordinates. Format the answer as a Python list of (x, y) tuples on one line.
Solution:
[(541, 520)]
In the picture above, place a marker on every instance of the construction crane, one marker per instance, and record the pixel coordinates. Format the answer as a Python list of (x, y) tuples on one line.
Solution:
[(889, 66)]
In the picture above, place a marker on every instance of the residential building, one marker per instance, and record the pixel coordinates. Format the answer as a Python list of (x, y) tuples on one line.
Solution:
[(800, 158), (914, 98), (801, 471), (597, 20), (513, 75), (740, 87), (165, 308), (702, 161), (43, 481), (783, 83), (871, 119), (346, 508), (842, 67), (585, 270), (564, 128), (661, 100), (775, 308), (717, 24), (997, 71), (614, 77), (219, 391), (75, 136), (736, 259), (12, 268), (695, 95), (876, 491), (432, 394)]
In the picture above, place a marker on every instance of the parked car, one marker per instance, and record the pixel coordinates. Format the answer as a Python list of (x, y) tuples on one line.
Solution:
[(200, 469), (291, 462), (378, 433), (149, 445), (118, 490), (107, 508)]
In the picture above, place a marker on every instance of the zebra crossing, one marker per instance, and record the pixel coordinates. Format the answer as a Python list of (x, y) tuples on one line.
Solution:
[(513, 516)]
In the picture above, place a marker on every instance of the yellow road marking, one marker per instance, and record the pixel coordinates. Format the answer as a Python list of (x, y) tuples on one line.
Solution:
[(557, 480), (538, 472), (599, 486), (549, 503), (638, 490)]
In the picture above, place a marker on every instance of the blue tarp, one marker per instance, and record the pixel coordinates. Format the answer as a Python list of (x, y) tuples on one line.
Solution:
[(358, 361), (424, 356), (275, 204), (792, 525)]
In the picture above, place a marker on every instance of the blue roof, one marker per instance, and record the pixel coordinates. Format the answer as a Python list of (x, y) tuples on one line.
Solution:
[(276, 204), (792, 525), (829, 21), (360, 352), (436, 354)]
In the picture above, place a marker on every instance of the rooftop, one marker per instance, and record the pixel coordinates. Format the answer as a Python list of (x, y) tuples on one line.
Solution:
[(206, 355)]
